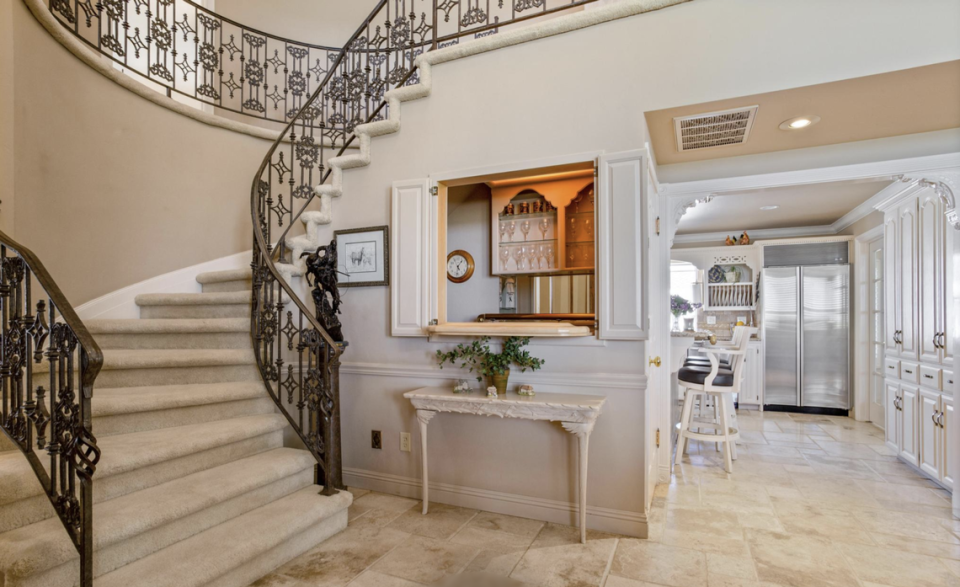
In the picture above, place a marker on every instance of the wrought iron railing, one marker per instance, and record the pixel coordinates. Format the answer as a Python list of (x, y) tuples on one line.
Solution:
[(182, 48), (49, 410)]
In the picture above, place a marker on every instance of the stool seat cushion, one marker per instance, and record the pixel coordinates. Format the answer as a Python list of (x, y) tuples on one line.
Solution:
[(704, 361), (698, 374)]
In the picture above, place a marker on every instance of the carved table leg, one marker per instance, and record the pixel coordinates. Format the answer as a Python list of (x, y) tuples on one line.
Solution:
[(582, 431), (424, 417)]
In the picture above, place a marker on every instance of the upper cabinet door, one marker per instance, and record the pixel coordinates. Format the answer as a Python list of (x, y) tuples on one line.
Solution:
[(907, 228), (411, 248), (891, 284), (622, 245), (930, 263), (947, 291)]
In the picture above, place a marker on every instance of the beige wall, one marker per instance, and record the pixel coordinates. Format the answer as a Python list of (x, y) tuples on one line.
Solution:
[(321, 22), (111, 188), (6, 119)]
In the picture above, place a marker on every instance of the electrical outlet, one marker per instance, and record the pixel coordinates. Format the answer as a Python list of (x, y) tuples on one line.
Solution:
[(375, 440), (405, 441), (711, 319)]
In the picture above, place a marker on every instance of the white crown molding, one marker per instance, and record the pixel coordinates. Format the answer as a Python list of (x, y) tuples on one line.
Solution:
[(559, 512), (766, 233), (554, 379), (873, 170)]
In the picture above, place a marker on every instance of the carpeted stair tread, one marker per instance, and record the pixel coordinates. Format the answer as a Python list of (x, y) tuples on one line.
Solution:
[(122, 359), (194, 299), (131, 400), (222, 276), (168, 325), (44, 545), (127, 452), (207, 556)]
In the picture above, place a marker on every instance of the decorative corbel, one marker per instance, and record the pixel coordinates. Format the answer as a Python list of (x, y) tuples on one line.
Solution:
[(945, 186), (680, 207)]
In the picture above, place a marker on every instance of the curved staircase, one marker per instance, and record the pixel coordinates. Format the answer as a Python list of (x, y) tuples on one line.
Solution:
[(193, 459)]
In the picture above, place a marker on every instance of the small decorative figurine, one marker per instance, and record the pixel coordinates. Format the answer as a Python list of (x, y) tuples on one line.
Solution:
[(744, 238), (526, 390), (462, 386), (492, 392), (730, 241), (322, 267)]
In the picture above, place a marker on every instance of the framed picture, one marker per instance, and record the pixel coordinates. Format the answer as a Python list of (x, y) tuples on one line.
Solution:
[(363, 258)]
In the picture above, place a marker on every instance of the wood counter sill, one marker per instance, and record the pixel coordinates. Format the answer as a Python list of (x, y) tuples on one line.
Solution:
[(533, 329)]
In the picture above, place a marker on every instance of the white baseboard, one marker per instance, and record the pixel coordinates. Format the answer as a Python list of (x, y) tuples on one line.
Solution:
[(602, 519), (121, 304)]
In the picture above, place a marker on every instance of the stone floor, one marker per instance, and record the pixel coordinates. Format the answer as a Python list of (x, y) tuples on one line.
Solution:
[(813, 501)]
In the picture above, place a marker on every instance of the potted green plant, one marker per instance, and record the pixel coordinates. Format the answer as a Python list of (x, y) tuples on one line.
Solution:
[(479, 359)]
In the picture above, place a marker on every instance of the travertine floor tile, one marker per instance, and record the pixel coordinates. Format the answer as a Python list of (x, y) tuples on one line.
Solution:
[(425, 560), (499, 552), (741, 567), (372, 579), (346, 555), (277, 580), (557, 559), (441, 521), (798, 561), (382, 501), (660, 564), (904, 524), (897, 568), (508, 524)]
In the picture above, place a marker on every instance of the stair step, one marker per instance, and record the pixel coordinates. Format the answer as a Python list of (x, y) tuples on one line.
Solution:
[(172, 333), (123, 410), (259, 542), (139, 524), (132, 462), (230, 280), (141, 367), (235, 304)]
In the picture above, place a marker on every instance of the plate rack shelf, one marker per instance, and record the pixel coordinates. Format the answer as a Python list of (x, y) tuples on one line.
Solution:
[(730, 296)]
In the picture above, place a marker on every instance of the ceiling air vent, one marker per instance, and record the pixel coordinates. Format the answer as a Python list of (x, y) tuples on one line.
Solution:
[(714, 129)]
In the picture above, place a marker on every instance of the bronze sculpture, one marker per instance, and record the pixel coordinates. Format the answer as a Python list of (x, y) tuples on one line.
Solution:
[(322, 267)]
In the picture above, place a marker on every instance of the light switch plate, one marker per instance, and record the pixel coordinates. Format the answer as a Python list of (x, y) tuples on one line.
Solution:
[(711, 319)]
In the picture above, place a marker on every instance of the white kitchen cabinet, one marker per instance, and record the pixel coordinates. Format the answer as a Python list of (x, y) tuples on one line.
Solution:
[(907, 278), (909, 404), (929, 229), (893, 422), (891, 284), (751, 388), (928, 432), (948, 423)]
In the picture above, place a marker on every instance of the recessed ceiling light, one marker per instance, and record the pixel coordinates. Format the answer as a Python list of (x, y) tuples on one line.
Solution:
[(799, 122), (769, 207)]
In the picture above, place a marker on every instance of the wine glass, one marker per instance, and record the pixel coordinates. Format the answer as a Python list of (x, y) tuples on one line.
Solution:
[(503, 230), (573, 228), (549, 254), (525, 228), (531, 256), (517, 253), (511, 228), (571, 256), (544, 226), (541, 255), (504, 257), (588, 227)]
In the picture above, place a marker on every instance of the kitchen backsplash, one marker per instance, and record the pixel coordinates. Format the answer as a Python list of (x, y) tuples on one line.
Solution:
[(726, 321)]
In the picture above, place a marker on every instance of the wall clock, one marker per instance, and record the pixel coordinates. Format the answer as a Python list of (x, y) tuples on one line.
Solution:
[(459, 266)]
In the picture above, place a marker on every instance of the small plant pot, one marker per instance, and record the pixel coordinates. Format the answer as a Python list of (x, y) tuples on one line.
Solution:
[(500, 382)]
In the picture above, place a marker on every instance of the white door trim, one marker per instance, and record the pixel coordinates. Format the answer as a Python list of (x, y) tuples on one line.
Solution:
[(861, 340)]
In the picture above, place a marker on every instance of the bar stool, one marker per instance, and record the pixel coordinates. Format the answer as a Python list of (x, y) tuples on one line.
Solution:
[(704, 361), (720, 384)]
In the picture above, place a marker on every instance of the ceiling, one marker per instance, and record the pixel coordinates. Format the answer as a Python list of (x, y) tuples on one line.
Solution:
[(799, 206), (909, 101)]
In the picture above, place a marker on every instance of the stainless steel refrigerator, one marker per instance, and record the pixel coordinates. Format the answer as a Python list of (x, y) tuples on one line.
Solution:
[(806, 337)]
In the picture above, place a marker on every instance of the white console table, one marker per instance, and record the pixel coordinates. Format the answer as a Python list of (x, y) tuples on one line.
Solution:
[(576, 413)]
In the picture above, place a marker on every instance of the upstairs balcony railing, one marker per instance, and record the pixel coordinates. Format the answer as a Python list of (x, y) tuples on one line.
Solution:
[(186, 51)]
